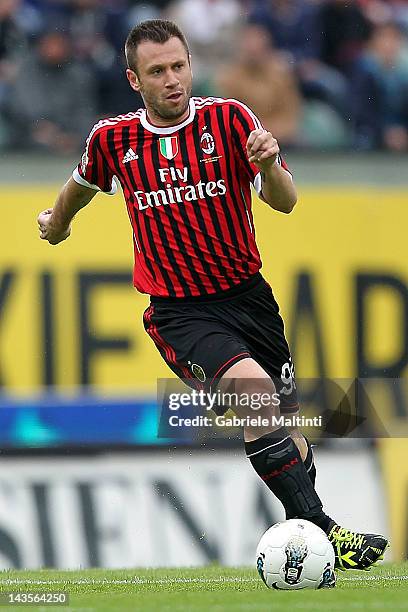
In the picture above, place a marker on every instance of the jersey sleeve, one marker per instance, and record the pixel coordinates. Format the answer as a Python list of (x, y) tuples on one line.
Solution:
[(244, 121), (93, 170)]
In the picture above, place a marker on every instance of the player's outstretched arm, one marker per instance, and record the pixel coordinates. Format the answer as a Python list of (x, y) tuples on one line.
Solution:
[(55, 223), (278, 189)]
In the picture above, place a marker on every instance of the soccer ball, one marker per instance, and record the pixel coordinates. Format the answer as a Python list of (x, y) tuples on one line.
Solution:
[(295, 555)]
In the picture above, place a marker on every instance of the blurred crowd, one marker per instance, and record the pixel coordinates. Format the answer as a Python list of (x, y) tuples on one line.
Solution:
[(325, 74)]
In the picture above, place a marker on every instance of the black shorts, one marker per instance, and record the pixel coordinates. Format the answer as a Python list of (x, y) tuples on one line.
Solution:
[(200, 340)]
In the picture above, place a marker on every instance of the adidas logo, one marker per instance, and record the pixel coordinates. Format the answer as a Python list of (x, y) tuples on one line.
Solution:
[(130, 156)]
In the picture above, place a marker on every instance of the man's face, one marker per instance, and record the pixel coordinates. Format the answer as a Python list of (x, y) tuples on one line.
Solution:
[(163, 78)]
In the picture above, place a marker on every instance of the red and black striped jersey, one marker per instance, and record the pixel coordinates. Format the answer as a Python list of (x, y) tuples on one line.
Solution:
[(188, 194)]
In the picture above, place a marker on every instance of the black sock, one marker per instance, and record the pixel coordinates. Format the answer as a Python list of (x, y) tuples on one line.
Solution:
[(309, 462), (276, 459), (309, 465)]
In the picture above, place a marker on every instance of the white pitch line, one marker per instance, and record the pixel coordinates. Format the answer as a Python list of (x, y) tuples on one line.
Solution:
[(168, 581), (373, 578), (130, 581)]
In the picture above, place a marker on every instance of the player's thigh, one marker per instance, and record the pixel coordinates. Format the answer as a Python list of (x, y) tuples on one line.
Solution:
[(194, 344), (265, 337)]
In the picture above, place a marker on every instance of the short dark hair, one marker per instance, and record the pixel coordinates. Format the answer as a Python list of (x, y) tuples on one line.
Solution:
[(155, 30)]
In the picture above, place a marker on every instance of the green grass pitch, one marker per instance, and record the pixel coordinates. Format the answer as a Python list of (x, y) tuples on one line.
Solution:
[(212, 588)]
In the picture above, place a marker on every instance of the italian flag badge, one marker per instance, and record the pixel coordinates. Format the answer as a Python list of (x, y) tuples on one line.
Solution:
[(168, 146)]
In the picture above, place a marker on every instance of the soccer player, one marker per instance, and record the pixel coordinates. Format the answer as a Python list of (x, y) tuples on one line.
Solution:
[(186, 166)]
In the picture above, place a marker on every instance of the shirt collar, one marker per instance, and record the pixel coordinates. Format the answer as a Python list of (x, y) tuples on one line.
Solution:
[(170, 129)]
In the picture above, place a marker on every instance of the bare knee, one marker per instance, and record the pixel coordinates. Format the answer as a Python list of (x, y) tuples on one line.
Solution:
[(254, 397), (250, 392)]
